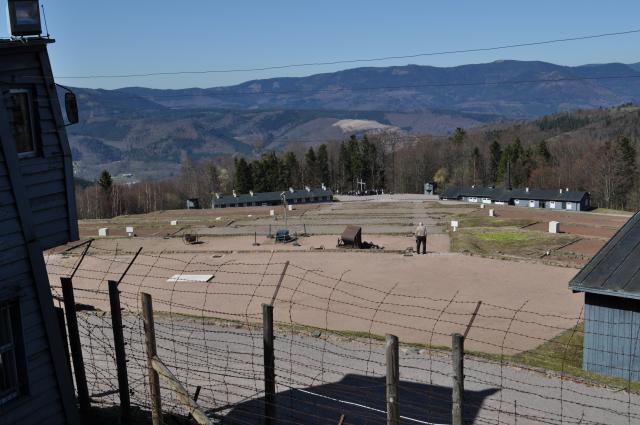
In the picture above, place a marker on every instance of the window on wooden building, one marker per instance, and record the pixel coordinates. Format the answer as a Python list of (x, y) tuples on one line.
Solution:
[(12, 366), (22, 122)]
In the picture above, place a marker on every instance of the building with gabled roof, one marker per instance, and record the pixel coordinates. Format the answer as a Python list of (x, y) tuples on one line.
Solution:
[(561, 199), (256, 199), (611, 286)]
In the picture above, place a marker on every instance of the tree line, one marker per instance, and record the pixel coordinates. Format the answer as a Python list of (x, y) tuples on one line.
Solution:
[(603, 163)]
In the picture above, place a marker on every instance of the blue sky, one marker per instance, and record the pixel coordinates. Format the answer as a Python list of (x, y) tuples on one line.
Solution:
[(138, 36)]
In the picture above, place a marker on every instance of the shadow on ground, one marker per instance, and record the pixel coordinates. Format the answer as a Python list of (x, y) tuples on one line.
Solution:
[(362, 400)]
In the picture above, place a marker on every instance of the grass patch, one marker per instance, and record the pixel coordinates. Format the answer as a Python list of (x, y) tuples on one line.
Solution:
[(611, 211), (563, 354), (467, 221), (505, 236), (506, 241)]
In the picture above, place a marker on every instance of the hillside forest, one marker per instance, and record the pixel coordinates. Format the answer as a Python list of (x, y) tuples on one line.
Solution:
[(591, 150)]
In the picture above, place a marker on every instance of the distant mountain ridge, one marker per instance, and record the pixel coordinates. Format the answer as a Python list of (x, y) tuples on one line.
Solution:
[(148, 131), (479, 88)]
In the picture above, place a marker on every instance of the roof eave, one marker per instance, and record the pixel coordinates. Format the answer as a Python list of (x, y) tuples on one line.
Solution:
[(617, 294)]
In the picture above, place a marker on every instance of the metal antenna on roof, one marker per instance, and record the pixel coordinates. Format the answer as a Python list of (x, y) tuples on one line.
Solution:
[(44, 16)]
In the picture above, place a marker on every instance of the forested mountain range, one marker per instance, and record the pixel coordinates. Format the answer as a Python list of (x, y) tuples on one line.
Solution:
[(148, 132)]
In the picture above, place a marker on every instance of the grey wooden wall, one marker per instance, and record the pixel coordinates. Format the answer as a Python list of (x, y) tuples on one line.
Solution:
[(612, 336), (48, 176)]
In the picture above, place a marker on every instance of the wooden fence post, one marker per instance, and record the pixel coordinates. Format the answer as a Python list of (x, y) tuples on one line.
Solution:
[(150, 339), (75, 344), (393, 380), (121, 359), (269, 365), (457, 358)]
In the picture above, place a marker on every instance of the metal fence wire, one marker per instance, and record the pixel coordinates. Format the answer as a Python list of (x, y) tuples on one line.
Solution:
[(520, 366)]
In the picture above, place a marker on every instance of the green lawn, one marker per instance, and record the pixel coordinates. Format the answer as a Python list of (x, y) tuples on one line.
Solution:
[(507, 240)]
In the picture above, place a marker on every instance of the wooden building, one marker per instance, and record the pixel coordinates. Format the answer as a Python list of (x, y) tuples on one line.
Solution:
[(257, 199), (561, 199), (37, 212), (611, 286)]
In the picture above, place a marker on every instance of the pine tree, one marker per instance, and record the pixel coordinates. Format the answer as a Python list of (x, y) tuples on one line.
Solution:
[(105, 182), (244, 180), (310, 168), (458, 136), (323, 165), (495, 154), (543, 152), (290, 175), (624, 169)]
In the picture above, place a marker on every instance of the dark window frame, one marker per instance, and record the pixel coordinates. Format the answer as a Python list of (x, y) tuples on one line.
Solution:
[(11, 308), (34, 118)]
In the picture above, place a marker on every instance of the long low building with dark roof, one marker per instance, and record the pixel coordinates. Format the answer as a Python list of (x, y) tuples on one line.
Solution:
[(562, 199), (256, 199)]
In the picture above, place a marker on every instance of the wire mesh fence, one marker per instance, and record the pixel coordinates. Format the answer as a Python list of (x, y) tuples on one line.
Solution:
[(520, 366)]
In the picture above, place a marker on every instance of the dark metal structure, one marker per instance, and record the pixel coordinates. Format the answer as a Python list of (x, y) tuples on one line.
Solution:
[(283, 236), (352, 236), (611, 284)]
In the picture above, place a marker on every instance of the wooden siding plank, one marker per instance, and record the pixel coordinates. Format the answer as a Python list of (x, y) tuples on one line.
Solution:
[(40, 164), (10, 255), (5, 183), (6, 197), (14, 268), (12, 63), (39, 408), (43, 177), (8, 212), (44, 189), (50, 201), (9, 225)]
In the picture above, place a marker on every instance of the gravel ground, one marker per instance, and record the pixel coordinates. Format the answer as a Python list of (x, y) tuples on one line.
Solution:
[(322, 376)]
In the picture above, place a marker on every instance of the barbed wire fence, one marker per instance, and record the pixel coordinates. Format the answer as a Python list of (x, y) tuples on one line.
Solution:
[(330, 357)]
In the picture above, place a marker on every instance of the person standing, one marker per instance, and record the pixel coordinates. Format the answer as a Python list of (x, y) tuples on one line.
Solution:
[(421, 238)]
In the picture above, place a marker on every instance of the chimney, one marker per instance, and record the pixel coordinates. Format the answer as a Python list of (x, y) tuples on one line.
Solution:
[(560, 190), (507, 180), (217, 195), (235, 195), (526, 189), (567, 189), (307, 188), (251, 192), (291, 190), (324, 187)]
